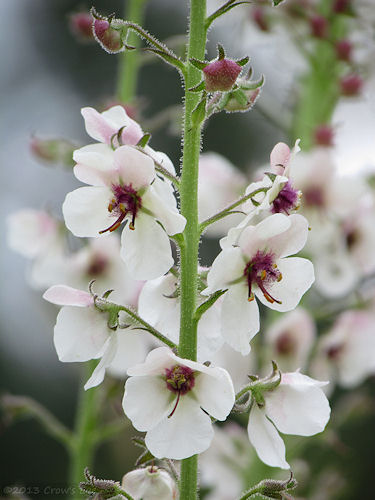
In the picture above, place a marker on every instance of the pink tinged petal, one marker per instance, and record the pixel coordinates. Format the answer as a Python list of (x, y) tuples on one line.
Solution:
[(98, 374), (228, 266), (147, 401), (155, 364), (215, 392), (240, 318), (280, 157), (85, 211), (63, 295), (134, 167), (173, 222), (95, 165), (254, 238), (298, 405), (146, 250), (297, 278), (97, 126), (265, 439), (80, 334), (186, 433), (210, 339), (132, 132), (293, 239), (161, 158)]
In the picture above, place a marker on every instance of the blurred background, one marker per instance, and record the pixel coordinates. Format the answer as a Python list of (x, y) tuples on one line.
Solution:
[(47, 76)]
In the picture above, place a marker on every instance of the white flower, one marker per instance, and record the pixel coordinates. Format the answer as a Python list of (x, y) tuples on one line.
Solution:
[(257, 267), (81, 333), (36, 235), (121, 190), (347, 352), (171, 398), (160, 306), (290, 339), (104, 127), (296, 406), (219, 184), (150, 483)]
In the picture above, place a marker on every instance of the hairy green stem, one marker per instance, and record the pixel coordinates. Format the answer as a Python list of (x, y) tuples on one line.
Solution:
[(84, 442), (189, 209), (129, 60)]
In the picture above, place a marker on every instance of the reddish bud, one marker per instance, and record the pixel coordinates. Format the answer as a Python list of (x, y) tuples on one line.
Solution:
[(260, 19), (319, 26), (344, 50), (341, 6), (351, 85), (221, 75), (81, 25), (107, 36), (53, 150), (324, 135)]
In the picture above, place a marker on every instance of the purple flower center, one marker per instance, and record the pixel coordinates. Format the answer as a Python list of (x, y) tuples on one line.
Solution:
[(285, 344), (180, 380), (314, 196), (262, 271), (333, 352), (286, 200), (125, 202)]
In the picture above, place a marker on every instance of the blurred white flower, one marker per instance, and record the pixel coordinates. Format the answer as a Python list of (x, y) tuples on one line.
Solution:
[(149, 483)]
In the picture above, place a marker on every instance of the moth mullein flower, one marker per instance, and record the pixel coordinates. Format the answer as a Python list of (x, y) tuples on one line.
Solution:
[(172, 399), (82, 333), (297, 406), (259, 267), (346, 353), (149, 483), (125, 188), (290, 339), (159, 304)]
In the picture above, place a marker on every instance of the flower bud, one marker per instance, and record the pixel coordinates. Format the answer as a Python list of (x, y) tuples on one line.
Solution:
[(108, 32), (341, 6), (243, 103), (221, 75), (260, 19), (319, 26), (344, 50), (53, 150), (351, 85), (324, 135), (80, 24), (150, 483)]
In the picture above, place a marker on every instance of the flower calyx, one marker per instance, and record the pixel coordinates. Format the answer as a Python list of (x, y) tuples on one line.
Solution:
[(243, 96), (273, 488), (108, 32), (99, 488), (260, 385), (219, 75)]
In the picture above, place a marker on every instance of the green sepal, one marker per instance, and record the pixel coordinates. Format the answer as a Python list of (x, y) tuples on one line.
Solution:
[(143, 141), (243, 61), (221, 52), (198, 64)]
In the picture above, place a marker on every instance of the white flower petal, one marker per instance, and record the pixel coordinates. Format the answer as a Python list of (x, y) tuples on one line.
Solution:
[(80, 333), (98, 374), (215, 392), (265, 439), (94, 164), (132, 348), (134, 167), (147, 401), (298, 405), (168, 215), (85, 211), (297, 278), (67, 296), (293, 239), (240, 318), (228, 266), (146, 250), (186, 433), (161, 158), (155, 364)]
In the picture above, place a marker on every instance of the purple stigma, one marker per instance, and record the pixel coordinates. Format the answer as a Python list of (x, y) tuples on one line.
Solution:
[(125, 202), (262, 271), (286, 200)]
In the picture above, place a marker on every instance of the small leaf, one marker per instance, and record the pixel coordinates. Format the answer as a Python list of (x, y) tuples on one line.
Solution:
[(197, 63), (277, 2), (143, 141)]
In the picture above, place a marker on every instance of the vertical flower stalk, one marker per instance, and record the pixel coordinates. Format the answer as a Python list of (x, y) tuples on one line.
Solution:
[(129, 61), (189, 209), (82, 449)]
